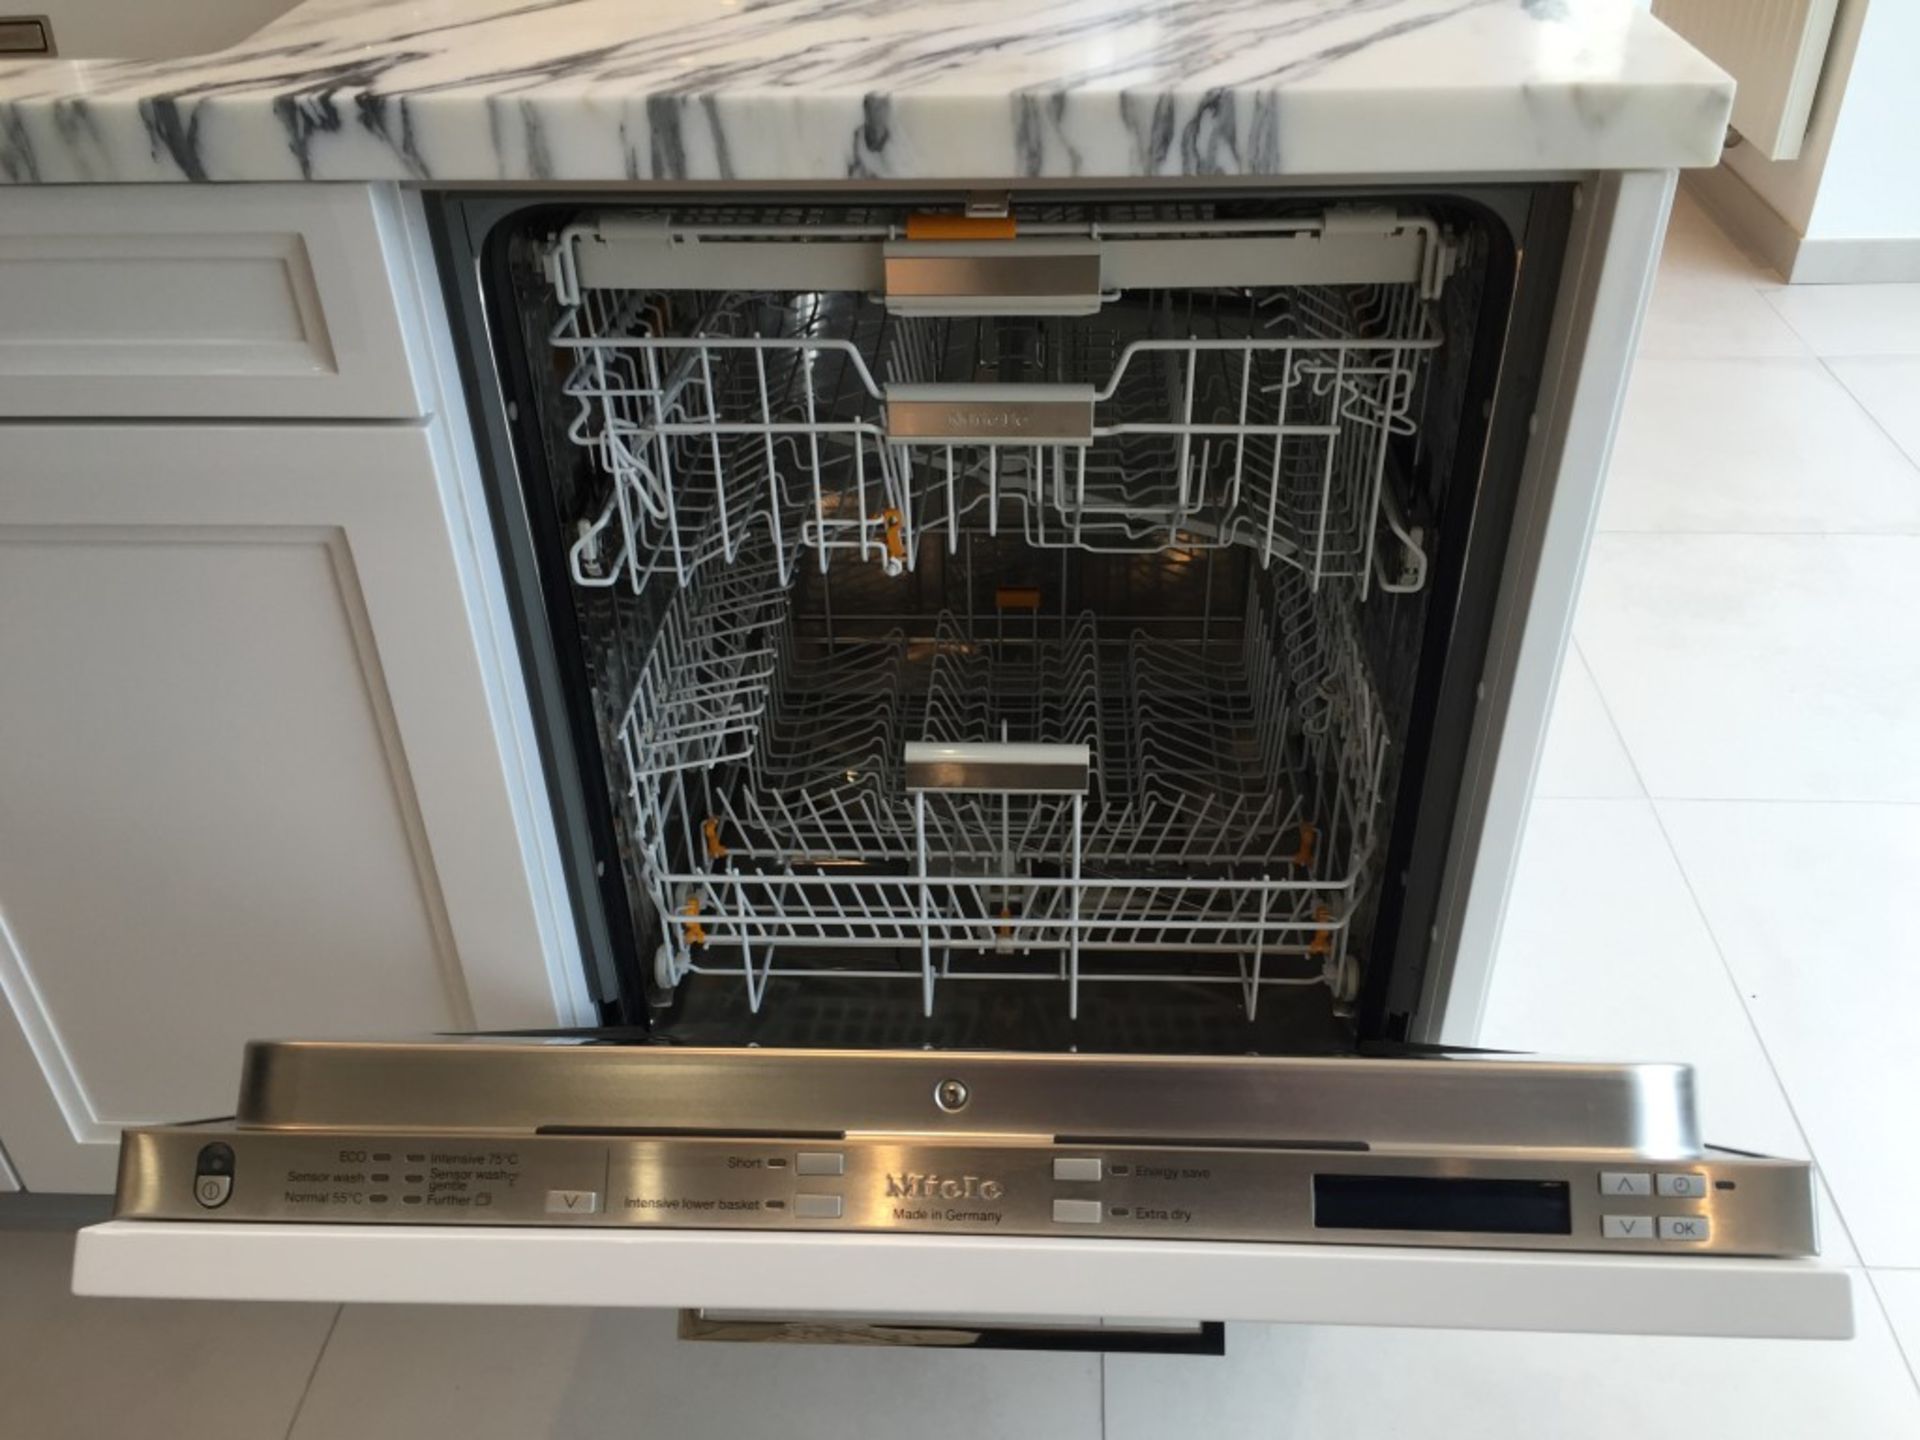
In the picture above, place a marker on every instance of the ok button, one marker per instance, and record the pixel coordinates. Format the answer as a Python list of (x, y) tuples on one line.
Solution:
[(1684, 1227)]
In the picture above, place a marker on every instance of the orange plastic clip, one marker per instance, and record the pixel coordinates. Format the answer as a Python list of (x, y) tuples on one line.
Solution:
[(696, 933), (1017, 597), (1309, 833), (923, 226), (710, 829), (1323, 938), (896, 534)]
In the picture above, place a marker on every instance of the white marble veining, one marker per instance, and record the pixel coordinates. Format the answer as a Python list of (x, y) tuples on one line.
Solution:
[(479, 91)]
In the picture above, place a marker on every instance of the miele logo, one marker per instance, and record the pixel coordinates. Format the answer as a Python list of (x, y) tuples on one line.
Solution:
[(969, 422), (943, 1187)]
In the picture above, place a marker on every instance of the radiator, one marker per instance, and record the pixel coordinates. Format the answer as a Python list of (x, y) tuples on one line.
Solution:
[(1773, 48)]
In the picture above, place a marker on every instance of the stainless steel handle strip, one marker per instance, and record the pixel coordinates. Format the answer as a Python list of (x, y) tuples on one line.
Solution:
[(992, 270), (988, 414), (999, 767), (1204, 1338)]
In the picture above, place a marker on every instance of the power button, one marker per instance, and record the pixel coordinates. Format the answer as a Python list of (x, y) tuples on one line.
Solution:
[(213, 1175)]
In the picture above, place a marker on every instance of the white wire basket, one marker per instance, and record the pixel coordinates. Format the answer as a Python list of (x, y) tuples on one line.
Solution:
[(817, 423), (1029, 800)]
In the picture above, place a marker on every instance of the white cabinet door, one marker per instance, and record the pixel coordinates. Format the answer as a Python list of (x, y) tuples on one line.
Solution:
[(205, 300), (250, 777)]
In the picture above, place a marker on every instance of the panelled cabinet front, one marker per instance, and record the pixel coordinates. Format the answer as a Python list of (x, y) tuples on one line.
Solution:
[(249, 777)]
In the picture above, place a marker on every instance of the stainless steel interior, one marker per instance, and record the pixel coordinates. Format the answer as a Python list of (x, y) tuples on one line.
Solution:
[(799, 544)]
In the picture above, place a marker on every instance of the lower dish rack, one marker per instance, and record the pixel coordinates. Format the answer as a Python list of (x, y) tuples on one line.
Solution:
[(1010, 797)]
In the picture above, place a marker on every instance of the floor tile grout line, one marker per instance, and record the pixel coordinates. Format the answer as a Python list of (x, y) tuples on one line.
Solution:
[(1579, 657), (1813, 350), (1844, 356), (1719, 531), (1912, 1360), (1539, 794), (313, 1371), (1726, 968), (1785, 319), (1861, 405), (1759, 1037), (1777, 800)]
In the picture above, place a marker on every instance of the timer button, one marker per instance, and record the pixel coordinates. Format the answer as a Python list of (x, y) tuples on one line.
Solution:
[(1691, 1186)]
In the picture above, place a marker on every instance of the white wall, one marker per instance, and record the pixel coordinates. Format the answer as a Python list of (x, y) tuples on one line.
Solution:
[(1848, 209), (1871, 186)]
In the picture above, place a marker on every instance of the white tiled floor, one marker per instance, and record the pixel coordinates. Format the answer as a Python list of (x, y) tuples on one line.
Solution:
[(1720, 867), (83, 1369), (492, 1374)]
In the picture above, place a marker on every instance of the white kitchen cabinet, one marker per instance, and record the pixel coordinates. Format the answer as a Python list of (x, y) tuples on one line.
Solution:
[(251, 779), (257, 300)]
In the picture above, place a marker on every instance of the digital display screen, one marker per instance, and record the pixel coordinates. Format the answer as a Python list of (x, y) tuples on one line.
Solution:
[(1424, 1202)]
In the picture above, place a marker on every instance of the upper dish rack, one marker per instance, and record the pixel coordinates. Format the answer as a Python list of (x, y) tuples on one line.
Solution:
[(1053, 400)]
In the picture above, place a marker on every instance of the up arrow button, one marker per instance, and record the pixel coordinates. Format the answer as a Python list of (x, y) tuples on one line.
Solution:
[(1625, 1182)]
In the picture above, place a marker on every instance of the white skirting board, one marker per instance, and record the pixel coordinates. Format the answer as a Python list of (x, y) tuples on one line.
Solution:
[(933, 1275), (1800, 260)]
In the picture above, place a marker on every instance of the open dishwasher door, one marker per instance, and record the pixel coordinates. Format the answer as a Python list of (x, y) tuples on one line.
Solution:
[(1450, 1192)]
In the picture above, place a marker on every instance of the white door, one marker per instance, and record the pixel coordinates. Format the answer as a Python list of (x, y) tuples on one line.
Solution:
[(250, 781)]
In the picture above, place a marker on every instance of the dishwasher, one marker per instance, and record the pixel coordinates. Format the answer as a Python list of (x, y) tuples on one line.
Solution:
[(1005, 666)]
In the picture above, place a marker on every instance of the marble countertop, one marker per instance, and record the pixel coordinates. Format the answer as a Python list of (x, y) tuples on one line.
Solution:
[(488, 91)]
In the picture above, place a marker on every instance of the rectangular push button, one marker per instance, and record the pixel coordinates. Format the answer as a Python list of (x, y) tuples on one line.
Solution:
[(1626, 1227), (1077, 1167), (1076, 1212), (1685, 1227), (1690, 1186), (817, 1207), (1625, 1182), (572, 1202), (820, 1162)]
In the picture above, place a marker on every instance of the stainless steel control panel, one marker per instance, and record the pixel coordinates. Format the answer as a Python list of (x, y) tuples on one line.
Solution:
[(1719, 1204)]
